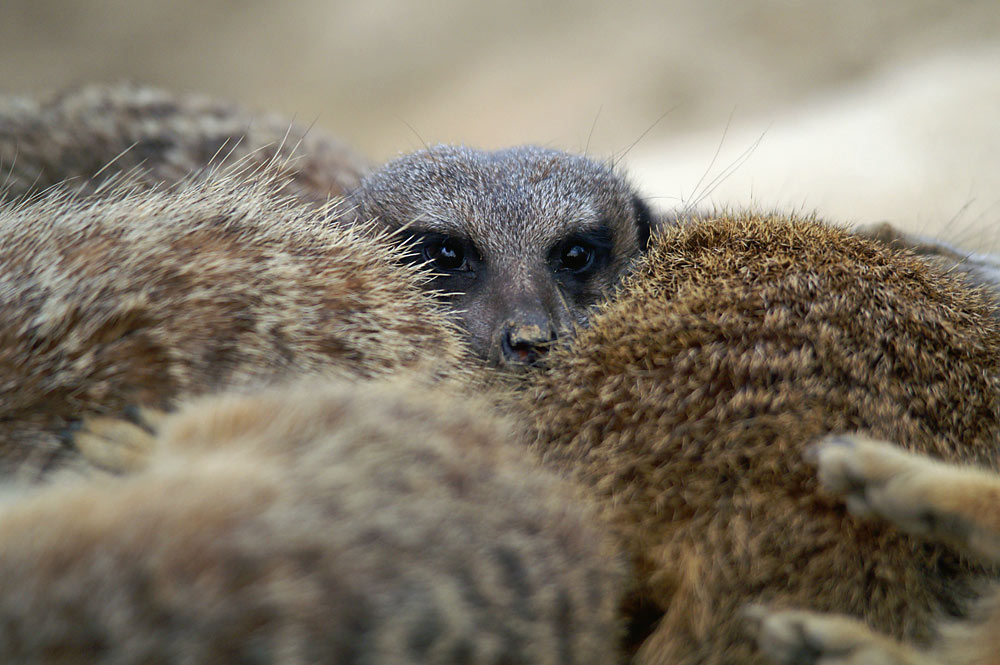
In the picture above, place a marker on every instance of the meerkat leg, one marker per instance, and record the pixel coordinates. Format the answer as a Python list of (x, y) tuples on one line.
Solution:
[(919, 495), (119, 445), (800, 637)]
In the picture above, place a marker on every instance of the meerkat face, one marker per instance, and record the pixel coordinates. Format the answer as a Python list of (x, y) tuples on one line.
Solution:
[(520, 241)]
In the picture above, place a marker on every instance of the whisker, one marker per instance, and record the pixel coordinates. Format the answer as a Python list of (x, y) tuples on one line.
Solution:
[(616, 160), (586, 148)]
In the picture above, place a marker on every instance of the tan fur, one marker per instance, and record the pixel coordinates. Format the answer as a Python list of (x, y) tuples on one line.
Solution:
[(332, 522), (937, 501), (685, 403), (921, 496), (88, 135), (141, 298)]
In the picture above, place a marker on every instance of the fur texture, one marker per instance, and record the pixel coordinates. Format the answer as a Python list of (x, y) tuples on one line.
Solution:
[(88, 136), (935, 501), (685, 404), (523, 240), (979, 269), (141, 298), (318, 523)]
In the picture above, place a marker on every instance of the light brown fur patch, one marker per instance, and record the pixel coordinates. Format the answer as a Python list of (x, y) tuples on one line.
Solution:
[(140, 298)]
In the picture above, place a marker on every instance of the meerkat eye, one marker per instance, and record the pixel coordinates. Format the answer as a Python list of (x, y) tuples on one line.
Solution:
[(582, 253), (576, 258), (445, 254)]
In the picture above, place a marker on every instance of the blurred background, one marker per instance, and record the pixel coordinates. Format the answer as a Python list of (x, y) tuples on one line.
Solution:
[(861, 111)]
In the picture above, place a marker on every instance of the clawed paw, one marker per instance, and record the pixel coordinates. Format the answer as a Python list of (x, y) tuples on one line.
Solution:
[(119, 445), (875, 479), (800, 637)]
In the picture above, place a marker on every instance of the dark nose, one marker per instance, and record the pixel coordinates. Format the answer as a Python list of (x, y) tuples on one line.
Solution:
[(525, 343)]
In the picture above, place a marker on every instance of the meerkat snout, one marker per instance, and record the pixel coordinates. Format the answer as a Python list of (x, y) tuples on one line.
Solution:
[(525, 343), (520, 242)]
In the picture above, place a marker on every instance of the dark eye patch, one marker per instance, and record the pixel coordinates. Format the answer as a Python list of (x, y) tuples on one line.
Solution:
[(644, 220), (444, 254)]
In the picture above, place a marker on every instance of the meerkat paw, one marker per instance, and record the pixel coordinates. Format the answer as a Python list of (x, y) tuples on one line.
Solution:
[(119, 445), (800, 637), (867, 473), (919, 495)]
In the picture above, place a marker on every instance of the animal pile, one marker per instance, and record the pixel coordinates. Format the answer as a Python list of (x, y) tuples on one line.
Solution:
[(261, 403)]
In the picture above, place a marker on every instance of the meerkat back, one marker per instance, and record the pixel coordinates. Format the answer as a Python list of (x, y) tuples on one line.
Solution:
[(86, 137), (139, 298), (686, 402), (319, 522)]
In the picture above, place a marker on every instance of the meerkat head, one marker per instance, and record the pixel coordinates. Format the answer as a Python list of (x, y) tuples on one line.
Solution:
[(521, 241)]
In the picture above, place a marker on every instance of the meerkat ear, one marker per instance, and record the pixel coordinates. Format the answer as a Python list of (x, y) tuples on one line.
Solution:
[(644, 219)]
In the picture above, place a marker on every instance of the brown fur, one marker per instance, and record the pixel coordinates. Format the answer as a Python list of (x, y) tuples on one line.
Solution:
[(88, 135), (318, 523), (937, 501), (145, 297), (685, 404), (979, 269)]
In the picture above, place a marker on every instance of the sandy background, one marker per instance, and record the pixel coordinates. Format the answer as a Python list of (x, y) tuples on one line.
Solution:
[(860, 110)]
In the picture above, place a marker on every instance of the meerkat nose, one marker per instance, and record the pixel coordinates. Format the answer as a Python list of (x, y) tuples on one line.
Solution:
[(524, 343)]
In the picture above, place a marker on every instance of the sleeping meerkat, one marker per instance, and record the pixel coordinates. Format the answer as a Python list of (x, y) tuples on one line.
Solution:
[(980, 269), (316, 522), (141, 298), (522, 241), (687, 400)]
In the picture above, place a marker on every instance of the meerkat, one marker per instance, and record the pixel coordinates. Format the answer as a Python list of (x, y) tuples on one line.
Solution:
[(317, 522), (522, 241), (685, 402), (139, 298), (85, 137), (930, 499)]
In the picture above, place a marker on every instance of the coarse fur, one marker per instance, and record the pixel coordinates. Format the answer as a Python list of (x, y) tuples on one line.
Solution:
[(685, 403), (936, 501), (524, 240), (87, 136), (333, 522), (140, 298), (978, 268)]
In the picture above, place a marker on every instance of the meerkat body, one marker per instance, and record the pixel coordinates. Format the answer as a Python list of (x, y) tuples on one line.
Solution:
[(321, 522), (687, 400), (86, 136), (523, 240), (140, 298)]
